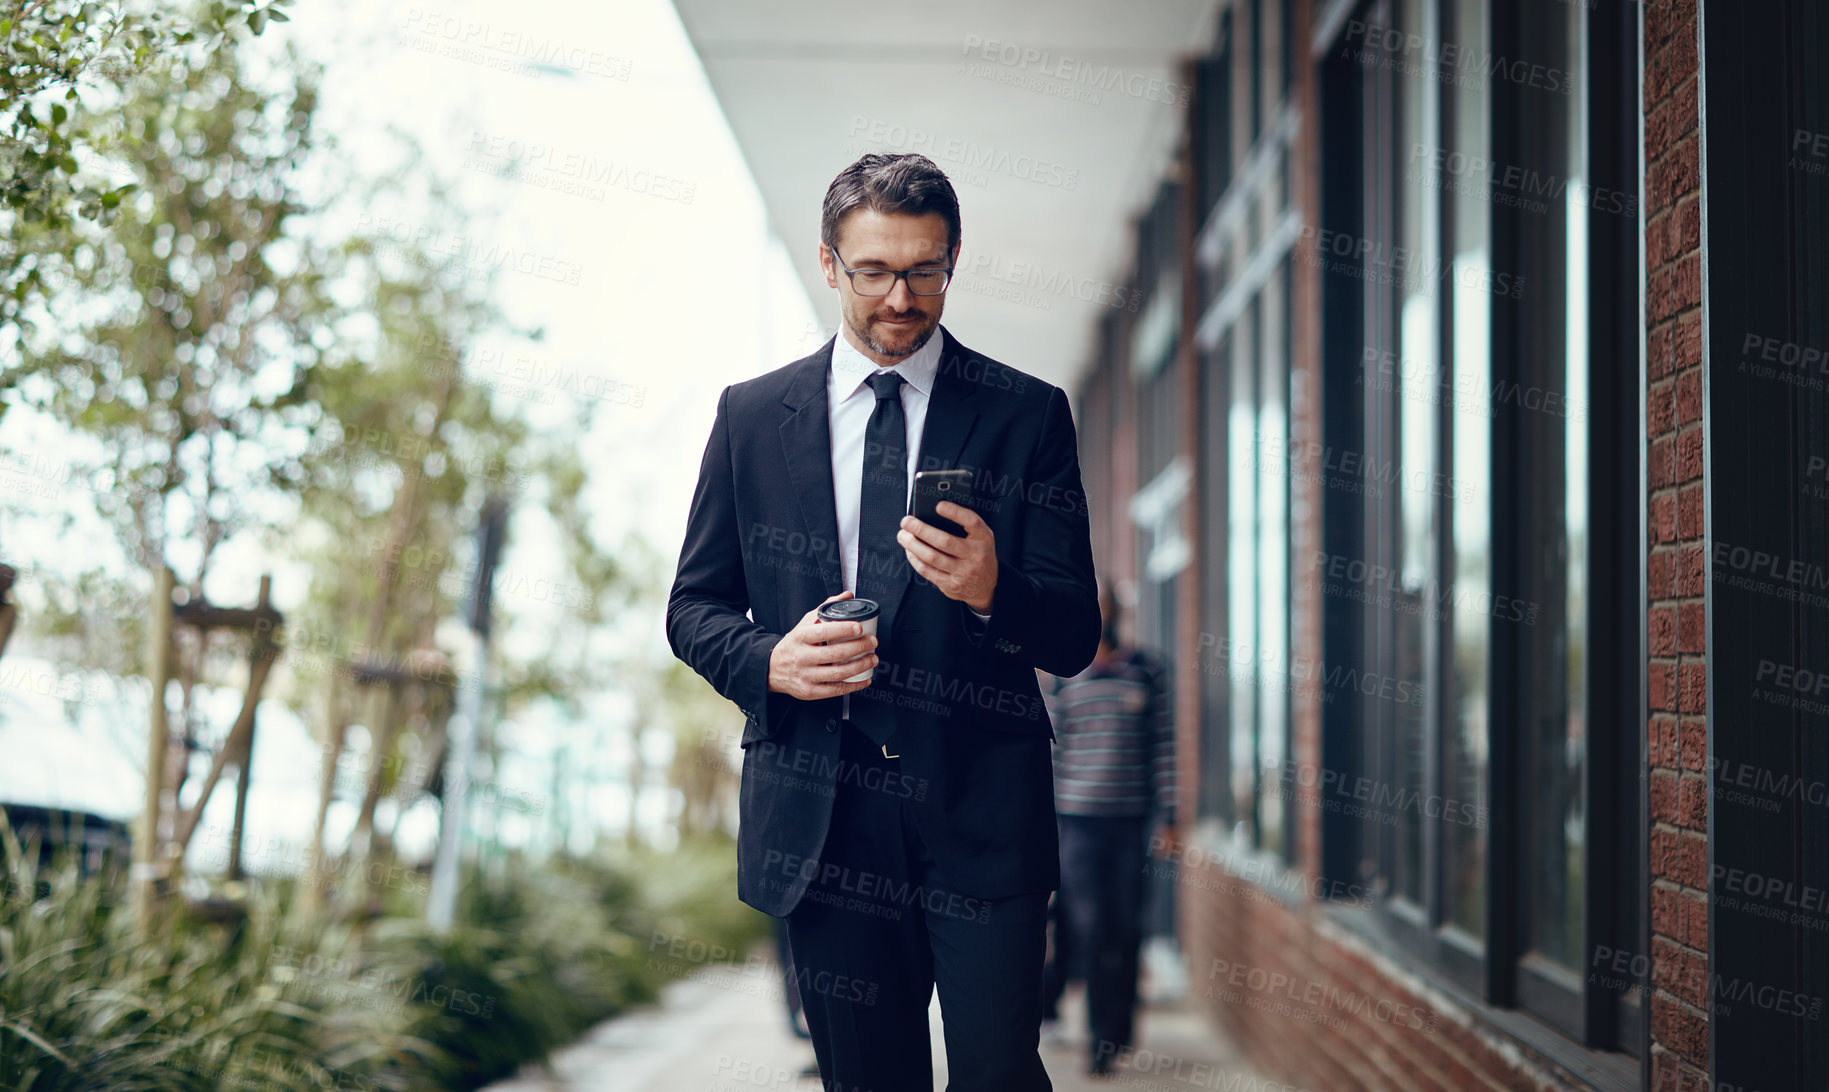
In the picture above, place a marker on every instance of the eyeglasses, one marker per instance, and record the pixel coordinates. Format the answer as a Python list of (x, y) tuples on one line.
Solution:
[(881, 282)]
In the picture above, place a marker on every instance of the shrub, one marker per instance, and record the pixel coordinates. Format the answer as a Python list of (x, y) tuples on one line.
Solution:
[(276, 998)]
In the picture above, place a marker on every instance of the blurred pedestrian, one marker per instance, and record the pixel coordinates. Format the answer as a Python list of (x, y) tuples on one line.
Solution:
[(1114, 787)]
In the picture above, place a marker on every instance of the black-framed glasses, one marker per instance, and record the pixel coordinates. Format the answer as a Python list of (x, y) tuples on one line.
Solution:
[(881, 282)]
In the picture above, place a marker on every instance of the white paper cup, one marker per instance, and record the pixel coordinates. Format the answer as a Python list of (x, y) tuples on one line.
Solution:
[(863, 611)]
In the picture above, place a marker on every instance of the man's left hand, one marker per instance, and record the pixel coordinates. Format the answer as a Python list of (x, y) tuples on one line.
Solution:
[(962, 568)]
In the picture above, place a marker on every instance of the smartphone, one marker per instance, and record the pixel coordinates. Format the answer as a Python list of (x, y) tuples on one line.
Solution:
[(933, 486)]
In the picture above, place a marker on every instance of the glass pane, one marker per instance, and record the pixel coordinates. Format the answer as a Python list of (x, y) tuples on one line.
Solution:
[(1464, 750), (1241, 540), (1272, 562), (1215, 750), (1557, 824), (1258, 75), (1416, 403)]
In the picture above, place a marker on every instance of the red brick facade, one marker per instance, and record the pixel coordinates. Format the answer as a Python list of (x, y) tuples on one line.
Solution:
[(1677, 565), (1228, 925), (1320, 1012), (1297, 1013)]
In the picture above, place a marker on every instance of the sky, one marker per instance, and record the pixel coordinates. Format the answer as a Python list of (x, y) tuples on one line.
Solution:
[(626, 275), (654, 270)]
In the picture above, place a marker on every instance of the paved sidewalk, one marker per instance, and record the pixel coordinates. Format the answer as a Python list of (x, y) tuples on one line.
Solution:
[(726, 1031)]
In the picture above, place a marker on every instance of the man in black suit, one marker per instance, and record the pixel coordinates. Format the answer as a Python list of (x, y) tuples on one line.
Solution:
[(904, 825)]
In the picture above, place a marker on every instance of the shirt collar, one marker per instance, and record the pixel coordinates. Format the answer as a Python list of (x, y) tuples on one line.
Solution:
[(850, 368)]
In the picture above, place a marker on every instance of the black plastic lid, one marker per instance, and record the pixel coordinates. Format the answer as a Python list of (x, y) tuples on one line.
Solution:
[(850, 610)]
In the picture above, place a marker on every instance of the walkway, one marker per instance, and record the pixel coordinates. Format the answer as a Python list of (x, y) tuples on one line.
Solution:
[(726, 1031)]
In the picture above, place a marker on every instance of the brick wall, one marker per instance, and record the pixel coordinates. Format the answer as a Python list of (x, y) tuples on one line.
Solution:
[(1315, 1009), (1677, 572), (1306, 430)]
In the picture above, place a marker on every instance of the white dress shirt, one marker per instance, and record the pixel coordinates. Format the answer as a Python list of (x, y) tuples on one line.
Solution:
[(849, 403)]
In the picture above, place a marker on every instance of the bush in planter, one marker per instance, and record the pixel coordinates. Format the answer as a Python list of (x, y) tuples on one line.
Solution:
[(538, 955), (84, 1005), (272, 999)]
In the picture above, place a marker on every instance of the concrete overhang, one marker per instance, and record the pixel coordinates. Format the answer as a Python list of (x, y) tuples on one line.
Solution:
[(1056, 123)]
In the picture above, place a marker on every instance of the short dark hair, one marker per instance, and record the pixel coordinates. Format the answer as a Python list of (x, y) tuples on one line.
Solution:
[(907, 185)]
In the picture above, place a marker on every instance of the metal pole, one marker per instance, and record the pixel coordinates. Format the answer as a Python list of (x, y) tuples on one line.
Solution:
[(466, 726), (441, 908)]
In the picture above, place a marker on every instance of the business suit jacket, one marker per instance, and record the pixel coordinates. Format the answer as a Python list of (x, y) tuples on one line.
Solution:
[(974, 738)]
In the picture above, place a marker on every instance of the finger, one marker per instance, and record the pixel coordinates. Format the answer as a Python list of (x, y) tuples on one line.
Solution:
[(928, 572), (917, 548), (835, 598), (961, 515), (837, 651), (835, 673), (836, 690), (825, 633), (928, 533)]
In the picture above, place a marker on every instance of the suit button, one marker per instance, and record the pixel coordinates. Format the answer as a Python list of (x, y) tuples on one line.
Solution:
[(831, 724)]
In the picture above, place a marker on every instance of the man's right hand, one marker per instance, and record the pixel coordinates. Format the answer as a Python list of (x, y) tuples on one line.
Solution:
[(807, 662)]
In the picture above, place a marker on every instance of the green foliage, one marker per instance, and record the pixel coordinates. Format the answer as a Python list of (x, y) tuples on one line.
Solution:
[(541, 954), (84, 1007), (282, 999), (93, 619), (60, 56), (188, 324), (239, 377)]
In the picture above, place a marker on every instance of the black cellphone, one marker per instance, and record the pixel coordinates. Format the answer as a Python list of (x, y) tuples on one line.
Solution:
[(933, 486)]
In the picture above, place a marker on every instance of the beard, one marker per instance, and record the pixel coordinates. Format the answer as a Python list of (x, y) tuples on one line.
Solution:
[(916, 336)]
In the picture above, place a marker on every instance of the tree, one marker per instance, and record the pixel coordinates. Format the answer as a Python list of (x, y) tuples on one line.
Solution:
[(190, 316), (61, 54), (190, 325), (406, 453), (249, 380)]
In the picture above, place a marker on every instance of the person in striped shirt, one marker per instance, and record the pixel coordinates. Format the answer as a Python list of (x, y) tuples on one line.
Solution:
[(1114, 783)]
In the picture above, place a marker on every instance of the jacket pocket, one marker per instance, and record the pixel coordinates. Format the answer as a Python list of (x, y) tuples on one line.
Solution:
[(752, 731)]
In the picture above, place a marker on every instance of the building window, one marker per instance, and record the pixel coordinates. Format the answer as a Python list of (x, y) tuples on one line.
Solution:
[(1467, 446), (1163, 478), (1464, 574), (1249, 683)]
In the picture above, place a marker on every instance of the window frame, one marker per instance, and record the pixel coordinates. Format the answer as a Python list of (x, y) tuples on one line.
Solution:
[(1586, 1019), (1244, 244)]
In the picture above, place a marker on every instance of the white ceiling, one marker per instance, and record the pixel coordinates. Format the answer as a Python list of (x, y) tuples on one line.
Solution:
[(1051, 169)]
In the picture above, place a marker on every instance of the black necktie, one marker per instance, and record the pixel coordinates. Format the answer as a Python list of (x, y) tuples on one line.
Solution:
[(882, 565), (884, 497)]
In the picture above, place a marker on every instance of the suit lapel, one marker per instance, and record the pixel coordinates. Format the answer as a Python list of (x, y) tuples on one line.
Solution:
[(806, 444)]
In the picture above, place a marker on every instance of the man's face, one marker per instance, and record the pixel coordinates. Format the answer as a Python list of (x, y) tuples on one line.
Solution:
[(888, 328)]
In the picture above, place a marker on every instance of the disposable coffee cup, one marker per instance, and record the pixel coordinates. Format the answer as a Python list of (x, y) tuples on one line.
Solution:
[(864, 611)]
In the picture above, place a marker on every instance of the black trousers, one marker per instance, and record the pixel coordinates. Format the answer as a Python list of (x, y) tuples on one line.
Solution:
[(1060, 966), (880, 927), (1100, 924)]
